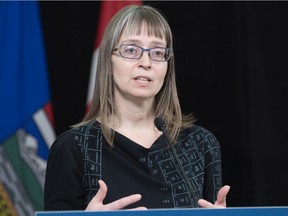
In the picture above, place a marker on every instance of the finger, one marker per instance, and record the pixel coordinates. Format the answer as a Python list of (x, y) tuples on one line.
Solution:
[(123, 202), (205, 204), (139, 208), (97, 202), (221, 196), (102, 192)]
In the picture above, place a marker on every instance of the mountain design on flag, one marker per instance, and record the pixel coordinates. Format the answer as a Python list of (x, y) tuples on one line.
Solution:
[(22, 173), (26, 129)]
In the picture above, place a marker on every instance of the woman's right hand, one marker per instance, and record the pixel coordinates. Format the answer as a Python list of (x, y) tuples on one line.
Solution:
[(96, 204)]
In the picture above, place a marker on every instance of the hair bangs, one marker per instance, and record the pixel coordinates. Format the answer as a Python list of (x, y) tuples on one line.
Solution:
[(143, 20)]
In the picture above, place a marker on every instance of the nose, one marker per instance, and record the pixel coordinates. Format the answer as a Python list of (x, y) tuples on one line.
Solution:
[(145, 60)]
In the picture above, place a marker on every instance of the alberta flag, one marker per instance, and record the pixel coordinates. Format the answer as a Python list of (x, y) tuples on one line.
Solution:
[(107, 11), (26, 131)]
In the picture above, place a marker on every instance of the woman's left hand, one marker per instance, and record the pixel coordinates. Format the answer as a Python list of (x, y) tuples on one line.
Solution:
[(221, 199)]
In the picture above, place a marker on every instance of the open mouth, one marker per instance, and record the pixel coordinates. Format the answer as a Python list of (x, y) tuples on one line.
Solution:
[(143, 79)]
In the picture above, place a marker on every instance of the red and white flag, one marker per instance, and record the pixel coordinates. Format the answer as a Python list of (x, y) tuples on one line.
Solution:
[(107, 11)]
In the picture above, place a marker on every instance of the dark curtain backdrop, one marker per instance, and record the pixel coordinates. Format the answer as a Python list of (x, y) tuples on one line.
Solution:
[(231, 61)]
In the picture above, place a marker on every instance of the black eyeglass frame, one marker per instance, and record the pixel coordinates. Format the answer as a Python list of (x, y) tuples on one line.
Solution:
[(117, 49)]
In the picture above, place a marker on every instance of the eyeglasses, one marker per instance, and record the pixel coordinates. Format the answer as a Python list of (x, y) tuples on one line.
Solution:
[(159, 54)]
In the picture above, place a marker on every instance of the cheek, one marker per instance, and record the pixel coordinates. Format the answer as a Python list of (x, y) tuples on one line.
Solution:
[(116, 74), (163, 73), (119, 67), (120, 74), (161, 78), (116, 69)]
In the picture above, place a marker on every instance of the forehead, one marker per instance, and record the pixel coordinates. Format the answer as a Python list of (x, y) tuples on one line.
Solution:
[(143, 33), (143, 28)]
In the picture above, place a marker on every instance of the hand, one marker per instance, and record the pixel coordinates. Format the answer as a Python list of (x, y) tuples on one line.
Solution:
[(221, 199), (97, 202)]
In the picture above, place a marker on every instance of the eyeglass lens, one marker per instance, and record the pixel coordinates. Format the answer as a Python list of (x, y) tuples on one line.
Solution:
[(135, 52)]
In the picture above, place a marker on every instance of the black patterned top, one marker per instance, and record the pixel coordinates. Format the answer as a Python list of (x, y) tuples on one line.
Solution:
[(81, 156)]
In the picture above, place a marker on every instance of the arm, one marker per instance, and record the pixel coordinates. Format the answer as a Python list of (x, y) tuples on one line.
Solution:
[(213, 176), (63, 184)]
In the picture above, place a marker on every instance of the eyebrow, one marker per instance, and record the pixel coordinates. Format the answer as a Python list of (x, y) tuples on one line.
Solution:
[(135, 41)]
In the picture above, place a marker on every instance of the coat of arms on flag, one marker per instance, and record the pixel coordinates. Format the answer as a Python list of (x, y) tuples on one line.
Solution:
[(26, 131)]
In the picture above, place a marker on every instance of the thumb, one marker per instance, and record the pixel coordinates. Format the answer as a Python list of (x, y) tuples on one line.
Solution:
[(221, 197), (102, 192)]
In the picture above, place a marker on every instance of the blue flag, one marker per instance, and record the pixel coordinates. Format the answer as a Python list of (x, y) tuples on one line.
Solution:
[(26, 131)]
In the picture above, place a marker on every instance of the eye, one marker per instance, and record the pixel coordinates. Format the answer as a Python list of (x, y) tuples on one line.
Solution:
[(130, 50), (158, 53)]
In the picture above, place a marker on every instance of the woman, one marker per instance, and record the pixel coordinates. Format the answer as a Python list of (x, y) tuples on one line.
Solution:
[(117, 158)]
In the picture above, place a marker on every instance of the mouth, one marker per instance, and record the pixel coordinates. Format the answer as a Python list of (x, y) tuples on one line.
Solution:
[(143, 79)]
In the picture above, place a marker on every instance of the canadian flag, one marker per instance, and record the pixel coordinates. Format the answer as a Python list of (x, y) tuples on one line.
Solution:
[(107, 11)]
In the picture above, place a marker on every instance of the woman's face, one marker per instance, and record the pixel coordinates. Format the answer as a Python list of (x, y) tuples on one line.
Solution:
[(142, 78)]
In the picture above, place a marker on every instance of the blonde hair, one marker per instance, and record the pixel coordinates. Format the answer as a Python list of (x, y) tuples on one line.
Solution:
[(129, 21)]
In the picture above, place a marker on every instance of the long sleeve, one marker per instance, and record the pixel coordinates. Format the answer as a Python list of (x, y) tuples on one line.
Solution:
[(63, 185), (213, 167)]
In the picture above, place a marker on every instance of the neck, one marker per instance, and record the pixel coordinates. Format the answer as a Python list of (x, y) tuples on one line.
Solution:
[(136, 121), (135, 113)]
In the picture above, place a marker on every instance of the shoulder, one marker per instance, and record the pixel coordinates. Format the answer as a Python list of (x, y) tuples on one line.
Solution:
[(74, 136), (195, 129), (198, 134), (86, 130)]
